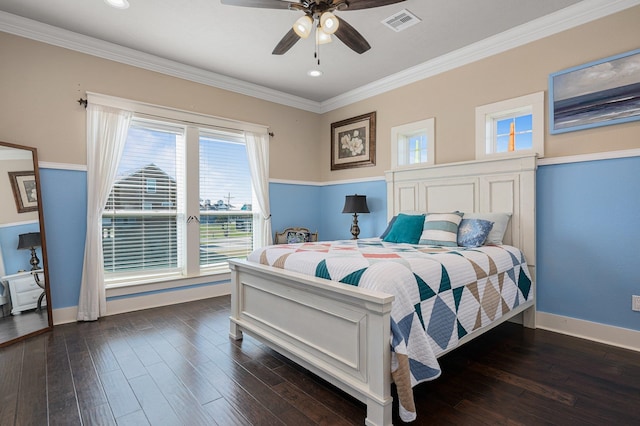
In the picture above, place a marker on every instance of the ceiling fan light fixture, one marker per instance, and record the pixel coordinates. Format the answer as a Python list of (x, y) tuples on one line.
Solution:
[(303, 26), (322, 37), (329, 22), (118, 4), (314, 73)]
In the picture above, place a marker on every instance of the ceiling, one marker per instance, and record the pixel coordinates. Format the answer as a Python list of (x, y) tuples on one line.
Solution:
[(221, 41)]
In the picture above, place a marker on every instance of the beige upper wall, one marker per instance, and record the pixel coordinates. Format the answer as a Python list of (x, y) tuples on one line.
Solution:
[(40, 85), (452, 97)]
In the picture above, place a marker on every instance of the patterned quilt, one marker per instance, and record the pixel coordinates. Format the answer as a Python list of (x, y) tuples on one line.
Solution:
[(441, 293)]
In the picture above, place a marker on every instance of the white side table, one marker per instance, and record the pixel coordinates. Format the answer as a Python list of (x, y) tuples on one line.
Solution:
[(26, 289)]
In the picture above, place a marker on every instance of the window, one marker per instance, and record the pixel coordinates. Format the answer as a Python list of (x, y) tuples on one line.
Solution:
[(224, 177), (413, 144), (151, 186), (168, 170), (511, 126)]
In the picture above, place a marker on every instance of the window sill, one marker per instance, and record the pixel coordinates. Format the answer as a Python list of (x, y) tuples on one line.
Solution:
[(164, 283)]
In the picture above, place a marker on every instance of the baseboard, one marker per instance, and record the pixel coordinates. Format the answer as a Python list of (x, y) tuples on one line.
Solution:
[(607, 334), (65, 315), (130, 304)]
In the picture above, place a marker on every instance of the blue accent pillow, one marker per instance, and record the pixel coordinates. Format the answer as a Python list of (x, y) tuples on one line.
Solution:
[(406, 229), (386, 231), (473, 232)]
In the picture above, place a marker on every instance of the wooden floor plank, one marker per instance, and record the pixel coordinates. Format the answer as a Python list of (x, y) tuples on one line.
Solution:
[(10, 369), (154, 404), (119, 394), (183, 402), (32, 406)]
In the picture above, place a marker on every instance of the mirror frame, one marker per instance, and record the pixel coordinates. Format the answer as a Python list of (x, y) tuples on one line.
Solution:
[(45, 263)]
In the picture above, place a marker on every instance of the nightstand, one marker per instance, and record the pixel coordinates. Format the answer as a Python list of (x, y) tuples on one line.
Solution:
[(26, 289)]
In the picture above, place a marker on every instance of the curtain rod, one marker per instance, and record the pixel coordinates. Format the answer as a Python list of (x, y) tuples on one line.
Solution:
[(85, 103)]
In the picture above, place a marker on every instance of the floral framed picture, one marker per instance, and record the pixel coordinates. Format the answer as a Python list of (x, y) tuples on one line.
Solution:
[(24, 191), (353, 142)]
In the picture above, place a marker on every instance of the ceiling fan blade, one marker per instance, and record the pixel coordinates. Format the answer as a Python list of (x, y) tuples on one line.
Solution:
[(266, 4), (351, 37), (286, 43), (366, 4)]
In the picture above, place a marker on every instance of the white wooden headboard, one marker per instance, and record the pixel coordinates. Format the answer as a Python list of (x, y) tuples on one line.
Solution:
[(497, 185)]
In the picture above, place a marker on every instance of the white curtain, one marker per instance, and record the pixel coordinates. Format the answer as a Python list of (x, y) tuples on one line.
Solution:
[(258, 155), (106, 135)]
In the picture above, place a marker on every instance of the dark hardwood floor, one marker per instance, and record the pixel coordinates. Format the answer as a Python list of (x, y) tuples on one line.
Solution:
[(176, 366), (13, 326)]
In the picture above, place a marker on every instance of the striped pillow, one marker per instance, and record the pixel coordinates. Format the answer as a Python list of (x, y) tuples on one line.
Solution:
[(441, 229)]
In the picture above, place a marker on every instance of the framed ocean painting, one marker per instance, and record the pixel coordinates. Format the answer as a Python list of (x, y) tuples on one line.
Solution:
[(599, 93)]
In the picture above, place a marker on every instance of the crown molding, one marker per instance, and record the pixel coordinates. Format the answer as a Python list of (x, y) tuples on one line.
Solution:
[(564, 19), (55, 36), (570, 17)]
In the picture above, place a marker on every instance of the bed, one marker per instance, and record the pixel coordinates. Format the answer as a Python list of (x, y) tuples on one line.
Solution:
[(342, 332)]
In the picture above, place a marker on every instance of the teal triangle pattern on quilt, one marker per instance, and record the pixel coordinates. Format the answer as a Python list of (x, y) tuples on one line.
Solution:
[(461, 330), (524, 284), (354, 277), (425, 290), (418, 310), (457, 296), (322, 271), (445, 282)]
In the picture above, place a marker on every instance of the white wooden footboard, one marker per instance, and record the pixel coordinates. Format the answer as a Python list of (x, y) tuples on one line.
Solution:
[(341, 333)]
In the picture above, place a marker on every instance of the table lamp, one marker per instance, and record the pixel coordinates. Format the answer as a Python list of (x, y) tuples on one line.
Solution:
[(30, 241), (355, 204)]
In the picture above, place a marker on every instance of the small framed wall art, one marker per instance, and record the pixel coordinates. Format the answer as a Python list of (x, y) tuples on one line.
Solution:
[(353, 142), (24, 191)]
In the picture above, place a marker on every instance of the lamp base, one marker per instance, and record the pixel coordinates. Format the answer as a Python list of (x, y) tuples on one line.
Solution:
[(355, 229), (34, 260)]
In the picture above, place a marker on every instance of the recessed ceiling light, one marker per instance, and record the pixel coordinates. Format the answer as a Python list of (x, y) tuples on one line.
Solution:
[(314, 73), (118, 4)]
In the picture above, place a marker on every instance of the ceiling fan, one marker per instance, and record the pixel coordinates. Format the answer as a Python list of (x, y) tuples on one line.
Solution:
[(321, 13)]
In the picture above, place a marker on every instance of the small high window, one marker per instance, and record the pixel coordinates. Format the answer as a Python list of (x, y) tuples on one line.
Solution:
[(514, 126), (413, 144)]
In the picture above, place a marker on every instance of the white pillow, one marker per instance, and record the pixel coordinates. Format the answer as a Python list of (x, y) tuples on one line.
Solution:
[(441, 229), (500, 223)]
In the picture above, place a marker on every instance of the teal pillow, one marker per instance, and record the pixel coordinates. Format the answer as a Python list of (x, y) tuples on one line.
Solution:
[(406, 229)]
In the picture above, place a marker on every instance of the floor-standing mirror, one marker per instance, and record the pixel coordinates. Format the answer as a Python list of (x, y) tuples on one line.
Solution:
[(25, 308)]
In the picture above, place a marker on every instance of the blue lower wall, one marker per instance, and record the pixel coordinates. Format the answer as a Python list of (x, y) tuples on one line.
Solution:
[(588, 224), (588, 228)]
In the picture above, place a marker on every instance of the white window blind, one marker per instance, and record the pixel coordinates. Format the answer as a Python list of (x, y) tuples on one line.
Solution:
[(226, 217), (143, 222)]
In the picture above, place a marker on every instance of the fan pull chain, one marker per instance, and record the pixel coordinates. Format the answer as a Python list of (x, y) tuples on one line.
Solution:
[(316, 54)]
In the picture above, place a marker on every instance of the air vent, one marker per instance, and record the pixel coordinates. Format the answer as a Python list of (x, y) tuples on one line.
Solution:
[(401, 20)]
